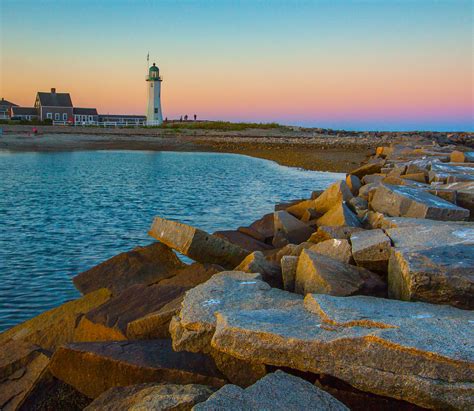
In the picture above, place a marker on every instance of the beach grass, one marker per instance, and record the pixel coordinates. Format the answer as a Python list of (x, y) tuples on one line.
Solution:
[(217, 125)]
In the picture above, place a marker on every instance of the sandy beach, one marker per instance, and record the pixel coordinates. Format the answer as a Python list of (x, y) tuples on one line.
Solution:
[(295, 148)]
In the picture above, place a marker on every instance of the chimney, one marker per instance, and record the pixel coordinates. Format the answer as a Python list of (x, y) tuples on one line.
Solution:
[(53, 91)]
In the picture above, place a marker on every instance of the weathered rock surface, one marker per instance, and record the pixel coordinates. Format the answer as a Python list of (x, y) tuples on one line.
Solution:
[(432, 262), (197, 244), (110, 321), (317, 273), (463, 193), (158, 397), (440, 275), (21, 364), (156, 324), (55, 327), (405, 201), (257, 263), (193, 327), (276, 391), (371, 249), (338, 232), (93, 368), (448, 173), (335, 248), (339, 215), (288, 271), (289, 229), (418, 352), (142, 265), (334, 195), (243, 240)]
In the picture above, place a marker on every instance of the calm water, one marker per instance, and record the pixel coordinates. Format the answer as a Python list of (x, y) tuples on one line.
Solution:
[(62, 213)]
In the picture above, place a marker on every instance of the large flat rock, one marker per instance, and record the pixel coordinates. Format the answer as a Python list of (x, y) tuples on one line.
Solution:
[(317, 273), (440, 275), (142, 265), (402, 201), (448, 173), (432, 262), (57, 326), (93, 368), (418, 352), (276, 391), (197, 244), (110, 321), (193, 327), (157, 397)]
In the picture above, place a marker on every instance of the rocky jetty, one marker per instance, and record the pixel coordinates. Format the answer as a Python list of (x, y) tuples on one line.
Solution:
[(358, 297)]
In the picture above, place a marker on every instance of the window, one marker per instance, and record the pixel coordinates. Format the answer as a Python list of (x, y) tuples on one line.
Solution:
[(151, 84), (156, 111), (91, 118), (64, 116), (49, 115), (56, 116), (84, 118)]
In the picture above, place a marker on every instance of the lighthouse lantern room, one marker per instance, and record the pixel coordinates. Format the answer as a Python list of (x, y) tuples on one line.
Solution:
[(154, 115)]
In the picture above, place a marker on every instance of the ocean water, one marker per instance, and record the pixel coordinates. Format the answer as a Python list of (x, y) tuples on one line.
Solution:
[(62, 213)]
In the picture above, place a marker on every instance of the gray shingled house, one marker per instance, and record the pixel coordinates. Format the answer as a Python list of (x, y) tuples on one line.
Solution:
[(54, 106)]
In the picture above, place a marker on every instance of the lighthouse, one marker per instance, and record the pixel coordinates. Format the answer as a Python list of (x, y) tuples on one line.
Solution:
[(154, 115)]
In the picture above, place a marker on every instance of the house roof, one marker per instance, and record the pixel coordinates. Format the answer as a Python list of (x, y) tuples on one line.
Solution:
[(4, 102), (85, 111), (55, 99), (24, 111)]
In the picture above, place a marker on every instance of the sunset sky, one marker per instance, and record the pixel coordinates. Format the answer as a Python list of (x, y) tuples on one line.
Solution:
[(396, 65)]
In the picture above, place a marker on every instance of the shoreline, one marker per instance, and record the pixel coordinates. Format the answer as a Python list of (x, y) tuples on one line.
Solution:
[(329, 153), (306, 148)]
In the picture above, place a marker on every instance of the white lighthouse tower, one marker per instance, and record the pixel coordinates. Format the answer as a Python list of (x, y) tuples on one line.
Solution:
[(154, 116)]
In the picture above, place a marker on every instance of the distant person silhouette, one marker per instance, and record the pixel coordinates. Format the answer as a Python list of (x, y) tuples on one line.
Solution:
[(195, 117), (181, 118)]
